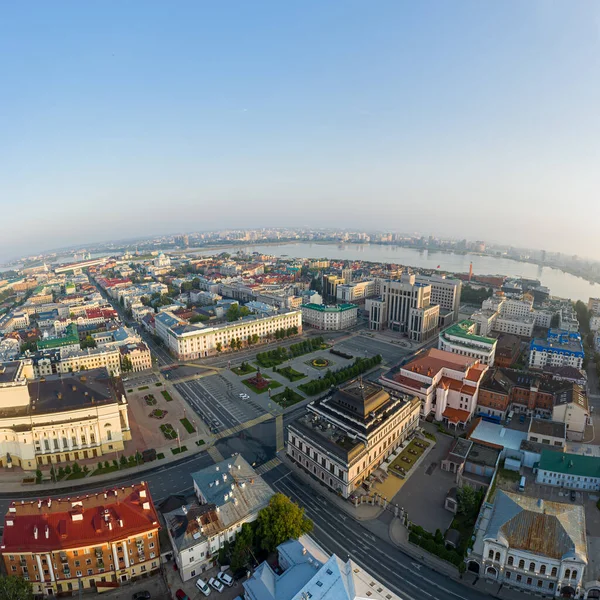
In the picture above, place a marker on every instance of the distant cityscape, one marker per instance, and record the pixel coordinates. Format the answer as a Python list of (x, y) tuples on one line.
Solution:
[(272, 375)]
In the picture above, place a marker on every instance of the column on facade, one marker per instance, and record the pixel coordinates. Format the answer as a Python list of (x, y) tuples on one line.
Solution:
[(50, 568), (126, 553), (115, 556), (123, 410), (39, 566)]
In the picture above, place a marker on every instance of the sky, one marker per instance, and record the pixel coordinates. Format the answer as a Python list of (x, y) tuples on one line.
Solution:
[(477, 120)]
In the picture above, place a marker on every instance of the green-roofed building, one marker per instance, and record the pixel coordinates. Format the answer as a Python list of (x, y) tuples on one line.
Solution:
[(69, 340), (329, 318), (461, 338), (573, 471)]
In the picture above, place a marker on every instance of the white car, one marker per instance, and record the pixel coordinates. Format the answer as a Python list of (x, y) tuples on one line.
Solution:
[(216, 584), (242, 395), (225, 578), (203, 587)]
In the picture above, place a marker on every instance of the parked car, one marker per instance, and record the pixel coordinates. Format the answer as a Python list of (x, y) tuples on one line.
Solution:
[(181, 595), (216, 584), (143, 595), (225, 578), (203, 587)]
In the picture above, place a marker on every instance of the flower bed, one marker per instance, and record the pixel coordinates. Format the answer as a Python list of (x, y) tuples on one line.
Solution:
[(319, 363), (158, 413), (150, 400), (270, 384), (168, 431), (166, 395), (188, 426), (287, 398), (290, 373)]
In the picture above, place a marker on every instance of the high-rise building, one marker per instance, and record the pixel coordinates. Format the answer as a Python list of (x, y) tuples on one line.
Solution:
[(445, 291), (404, 306)]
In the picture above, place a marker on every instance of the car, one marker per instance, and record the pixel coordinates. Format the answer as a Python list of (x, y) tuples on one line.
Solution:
[(225, 578), (216, 584), (573, 496), (203, 587), (181, 595), (242, 395), (143, 595)]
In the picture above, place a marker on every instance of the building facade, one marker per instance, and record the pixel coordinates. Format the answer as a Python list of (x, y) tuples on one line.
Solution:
[(461, 338), (561, 348), (445, 291), (329, 318), (98, 540), (343, 439), (570, 471)]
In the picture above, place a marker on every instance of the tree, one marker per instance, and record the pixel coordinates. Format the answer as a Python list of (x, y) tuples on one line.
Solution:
[(242, 547), (126, 364), (61, 472), (106, 465), (15, 588), (76, 468), (88, 342), (281, 520), (38, 476), (123, 461), (468, 501), (219, 347), (115, 463), (67, 470)]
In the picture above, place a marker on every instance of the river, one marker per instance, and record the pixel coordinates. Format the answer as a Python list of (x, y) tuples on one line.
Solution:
[(560, 283)]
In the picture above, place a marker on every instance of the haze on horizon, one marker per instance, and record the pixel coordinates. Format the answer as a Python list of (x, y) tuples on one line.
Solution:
[(466, 119)]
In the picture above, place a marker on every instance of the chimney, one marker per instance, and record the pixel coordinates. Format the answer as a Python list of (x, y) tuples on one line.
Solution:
[(47, 532), (74, 388), (35, 533)]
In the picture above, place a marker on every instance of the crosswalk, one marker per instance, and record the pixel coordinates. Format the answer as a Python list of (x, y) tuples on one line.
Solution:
[(242, 426), (215, 454), (271, 464)]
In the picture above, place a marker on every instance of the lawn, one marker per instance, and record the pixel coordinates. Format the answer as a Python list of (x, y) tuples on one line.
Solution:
[(287, 398), (157, 413), (408, 457), (244, 369), (159, 384), (290, 373), (200, 443), (129, 391), (166, 395), (160, 455), (178, 450), (104, 470), (144, 387), (168, 431), (150, 400), (188, 426), (272, 385), (80, 475)]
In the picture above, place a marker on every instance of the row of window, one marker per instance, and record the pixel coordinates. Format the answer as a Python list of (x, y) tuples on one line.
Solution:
[(569, 574)]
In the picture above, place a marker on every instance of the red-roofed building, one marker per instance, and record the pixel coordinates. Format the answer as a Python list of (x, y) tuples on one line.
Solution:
[(102, 540), (446, 383)]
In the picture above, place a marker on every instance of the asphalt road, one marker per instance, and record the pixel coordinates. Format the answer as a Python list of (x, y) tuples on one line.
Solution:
[(363, 346), (338, 533)]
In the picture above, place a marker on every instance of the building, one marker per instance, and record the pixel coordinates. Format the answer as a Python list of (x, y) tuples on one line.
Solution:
[(445, 291), (330, 284), (309, 572), (138, 354), (329, 318), (59, 418), (404, 306), (99, 540), (227, 495), (508, 349), (356, 291), (567, 318), (341, 440), (461, 338), (571, 471), (188, 342), (594, 306), (447, 384), (532, 544), (69, 340), (473, 463), (560, 348), (571, 407)]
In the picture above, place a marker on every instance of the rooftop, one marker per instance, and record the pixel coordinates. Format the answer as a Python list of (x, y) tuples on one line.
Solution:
[(542, 527), (462, 330), (549, 428), (570, 464), (79, 521), (334, 308)]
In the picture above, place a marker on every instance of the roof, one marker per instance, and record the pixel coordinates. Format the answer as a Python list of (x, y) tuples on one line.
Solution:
[(550, 428), (325, 308), (497, 435), (79, 520), (571, 464), (70, 337), (551, 529), (191, 523), (434, 360), (462, 330), (234, 487), (456, 415)]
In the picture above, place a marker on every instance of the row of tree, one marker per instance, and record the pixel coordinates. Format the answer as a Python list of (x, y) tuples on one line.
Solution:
[(333, 378), (471, 295), (278, 522)]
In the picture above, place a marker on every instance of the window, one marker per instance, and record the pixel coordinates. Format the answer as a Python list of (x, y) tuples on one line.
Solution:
[(511, 560), (521, 564), (529, 581), (508, 575), (532, 566), (491, 554), (574, 574), (567, 573), (540, 583), (543, 570), (497, 556), (554, 571)]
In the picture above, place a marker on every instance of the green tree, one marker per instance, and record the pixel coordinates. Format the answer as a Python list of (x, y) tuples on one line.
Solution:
[(106, 464), (15, 588), (76, 468), (281, 520), (126, 364), (61, 472), (242, 547), (219, 347), (468, 501), (38, 476), (123, 461), (88, 342), (67, 470)]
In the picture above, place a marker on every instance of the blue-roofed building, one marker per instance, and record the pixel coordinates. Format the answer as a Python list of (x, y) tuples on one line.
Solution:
[(560, 348), (309, 572)]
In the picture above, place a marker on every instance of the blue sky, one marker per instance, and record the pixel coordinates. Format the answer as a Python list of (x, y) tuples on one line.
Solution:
[(474, 119)]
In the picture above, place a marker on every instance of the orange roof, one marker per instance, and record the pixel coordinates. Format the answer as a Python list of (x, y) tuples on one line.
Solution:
[(434, 360), (475, 373), (456, 415), (79, 521), (408, 382), (468, 389)]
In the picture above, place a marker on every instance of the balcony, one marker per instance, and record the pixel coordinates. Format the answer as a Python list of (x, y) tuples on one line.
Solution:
[(23, 562), (63, 557), (99, 553), (100, 564)]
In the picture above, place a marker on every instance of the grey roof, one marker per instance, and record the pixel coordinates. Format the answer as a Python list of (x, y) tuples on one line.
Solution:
[(234, 487), (550, 428), (546, 528)]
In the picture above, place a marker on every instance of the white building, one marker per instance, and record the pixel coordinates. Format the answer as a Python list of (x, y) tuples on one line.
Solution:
[(560, 348), (461, 338), (345, 437), (532, 544), (571, 471), (329, 318), (227, 495), (356, 291), (445, 291), (187, 341)]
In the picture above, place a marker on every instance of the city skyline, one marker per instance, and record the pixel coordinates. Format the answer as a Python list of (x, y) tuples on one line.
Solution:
[(468, 120)]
